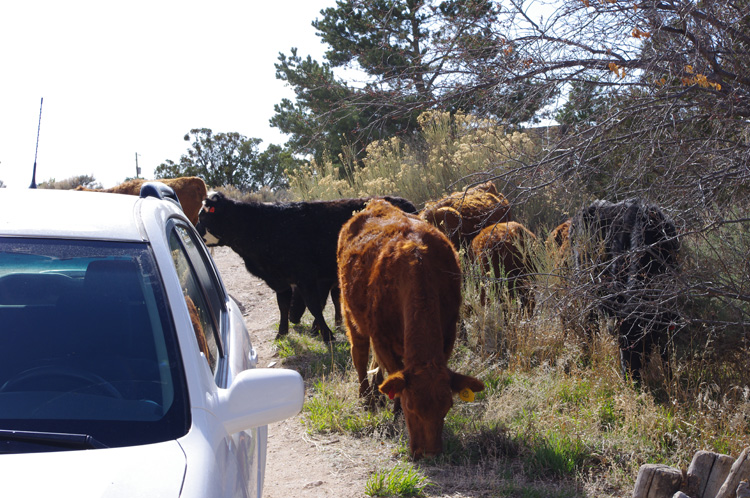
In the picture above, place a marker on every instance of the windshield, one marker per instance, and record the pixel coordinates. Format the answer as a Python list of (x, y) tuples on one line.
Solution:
[(88, 345)]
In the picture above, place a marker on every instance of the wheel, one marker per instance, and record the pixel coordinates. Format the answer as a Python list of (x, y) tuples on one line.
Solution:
[(40, 378)]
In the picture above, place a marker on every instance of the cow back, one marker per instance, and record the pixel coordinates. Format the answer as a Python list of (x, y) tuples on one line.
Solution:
[(478, 207), (286, 242), (401, 284), (507, 245), (627, 241), (190, 191)]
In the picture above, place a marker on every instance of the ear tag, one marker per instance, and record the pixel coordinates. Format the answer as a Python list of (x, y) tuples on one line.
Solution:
[(211, 209), (466, 394), (391, 394)]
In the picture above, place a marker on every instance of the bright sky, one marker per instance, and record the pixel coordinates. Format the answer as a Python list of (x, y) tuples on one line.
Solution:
[(120, 78)]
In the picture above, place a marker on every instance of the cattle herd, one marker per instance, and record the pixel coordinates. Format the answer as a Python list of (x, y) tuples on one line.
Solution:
[(395, 278)]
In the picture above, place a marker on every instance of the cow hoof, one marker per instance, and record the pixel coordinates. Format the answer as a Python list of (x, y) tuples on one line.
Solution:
[(380, 402), (372, 399), (279, 336), (374, 404)]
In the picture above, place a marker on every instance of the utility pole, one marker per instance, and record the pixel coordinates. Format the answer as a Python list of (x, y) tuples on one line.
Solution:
[(137, 168)]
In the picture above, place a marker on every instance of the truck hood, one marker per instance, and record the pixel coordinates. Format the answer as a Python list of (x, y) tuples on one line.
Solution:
[(150, 470)]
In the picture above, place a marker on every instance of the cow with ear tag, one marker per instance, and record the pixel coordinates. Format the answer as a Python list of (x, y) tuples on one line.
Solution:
[(400, 283)]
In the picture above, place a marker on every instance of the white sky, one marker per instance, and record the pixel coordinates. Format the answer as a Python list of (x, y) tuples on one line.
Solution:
[(120, 78)]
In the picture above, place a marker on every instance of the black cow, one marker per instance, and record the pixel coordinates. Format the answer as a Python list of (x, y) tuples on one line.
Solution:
[(626, 254), (290, 246)]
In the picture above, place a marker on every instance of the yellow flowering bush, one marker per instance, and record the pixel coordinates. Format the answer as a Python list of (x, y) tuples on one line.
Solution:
[(453, 151)]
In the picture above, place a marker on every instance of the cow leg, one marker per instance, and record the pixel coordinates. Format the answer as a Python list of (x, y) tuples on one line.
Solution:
[(298, 305), (633, 348), (374, 397), (378, 398), (631, 361), (388, 362), (336, 300), (297, 308), (335, 293), (323, 292), (360, 351), (397, 407), (526, 296), (589, 329), (284, 301), (311, 294)]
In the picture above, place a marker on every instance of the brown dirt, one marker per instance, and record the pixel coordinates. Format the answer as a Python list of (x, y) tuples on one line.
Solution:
[(299, 464)]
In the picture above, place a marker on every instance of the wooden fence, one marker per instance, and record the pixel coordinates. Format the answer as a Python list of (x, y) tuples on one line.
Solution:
[(710, 475)]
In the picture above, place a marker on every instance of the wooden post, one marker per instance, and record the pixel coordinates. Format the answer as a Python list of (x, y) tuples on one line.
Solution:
[(706, 474), (657, 481), (740, 471)]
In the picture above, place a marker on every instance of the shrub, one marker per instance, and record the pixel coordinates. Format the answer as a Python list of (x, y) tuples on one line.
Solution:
[(450, 153)]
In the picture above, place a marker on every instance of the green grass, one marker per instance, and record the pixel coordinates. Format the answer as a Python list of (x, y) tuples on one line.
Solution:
[(334, 408), (401, 480), (558, 454), (568, 429), (530, 490), (311, 357), (468, 442)]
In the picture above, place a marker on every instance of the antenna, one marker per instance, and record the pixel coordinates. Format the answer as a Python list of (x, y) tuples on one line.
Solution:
[(39, 126)]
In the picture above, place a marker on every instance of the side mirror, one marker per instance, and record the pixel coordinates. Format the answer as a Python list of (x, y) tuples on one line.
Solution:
[(259, 397)]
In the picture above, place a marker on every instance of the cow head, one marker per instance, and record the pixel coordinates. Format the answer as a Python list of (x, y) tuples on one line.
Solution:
[(426, 395), (209, 219)]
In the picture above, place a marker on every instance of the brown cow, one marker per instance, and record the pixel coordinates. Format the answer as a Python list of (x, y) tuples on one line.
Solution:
[(558, 243), (448, 220), (400, 286), (477, 207), (190, 191), (504, 249)]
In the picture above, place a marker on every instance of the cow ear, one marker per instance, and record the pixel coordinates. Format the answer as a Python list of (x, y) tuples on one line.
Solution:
[(460, 382), (393, 385), (211, 202), (208, 206), (214, 197)]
